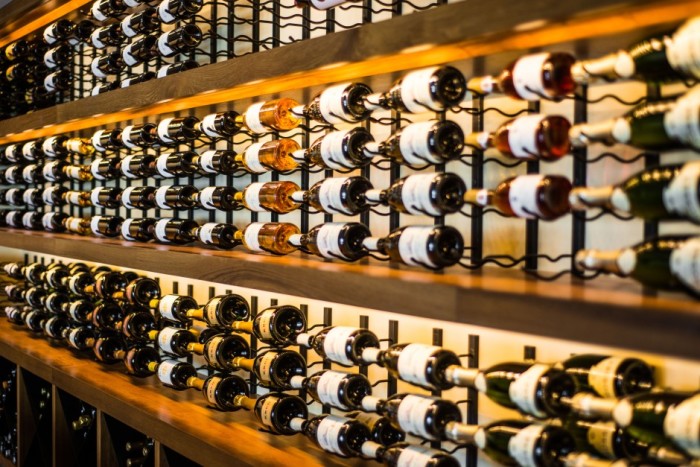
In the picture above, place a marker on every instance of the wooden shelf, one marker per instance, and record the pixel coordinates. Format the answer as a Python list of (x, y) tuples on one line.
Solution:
[(452, 32), (180, 420), (606, 311)]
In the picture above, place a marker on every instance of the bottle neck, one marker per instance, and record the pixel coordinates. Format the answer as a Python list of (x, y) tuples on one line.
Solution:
[(196, 348), (197, 313), (462, 377), (152, 366), (590, 406), (481, 140), (615, 130), (581, 198), (195, 382), (243, 326), (297, 424), (300, 196), (244, 402), (461, 433), (372, 450), (478, 197), (483, 85), (298, 382), (244, 363), (375, 196), (620, 262), (153, 304), (153, 335), (609, 67), (119, 354)]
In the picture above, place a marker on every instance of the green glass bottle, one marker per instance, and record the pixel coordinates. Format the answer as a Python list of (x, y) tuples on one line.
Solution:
[(609, 376)]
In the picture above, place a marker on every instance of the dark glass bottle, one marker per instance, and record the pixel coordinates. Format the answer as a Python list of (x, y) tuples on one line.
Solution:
[(179, 40), (276, 326), (58, 31), (340, 150), (80, 310), (140, 291), (435, 194), (334, 240), (102, 10), (343, 391), (142, 78), (220, 125), (217, 161), (140, 51), (137, 166), (218, 234), (137, 325), (176, 164), (170, 11), (178, 130), (221, 391), (171, 69), (610, 377), (177, 375), (433, 247), (222, 310), (138, 197), (109, 347), (106, 197), (107, 315), (107, 140), (104, 65), (218, 197), (337, 195), (342, 103), (274, 368), (141, 135), (176, 197), (81, 338), (380, 428), (343, 345), (58, 57), (105, 36), (423, 143), (106, 226), (141, 361), (142, 22), (402, 454), (174, 341), (275, 411), (138, 230), (343, 437), (220, 350)]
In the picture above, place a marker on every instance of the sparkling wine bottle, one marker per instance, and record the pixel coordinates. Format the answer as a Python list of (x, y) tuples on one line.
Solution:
[(270, 237), (338, 195), (137, 325), (177, 375), (275, 326), (334, 240), (107, 316), (104, 65), (338, 104), (80, 310), (608, 376), (81, 338), (341, 436), (277, 155), (102, 10), (343, 391), (340, 344), (58, 56), (58, 31), (433, 247), (405, 455), (109, 347), (423, 194), (174, 307)]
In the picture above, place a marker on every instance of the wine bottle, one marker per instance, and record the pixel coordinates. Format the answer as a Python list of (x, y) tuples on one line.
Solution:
[(405, 455), (173, 341), (663, 57), (174, 307), (99, 169), (221, 390), (610, 376), (105, 36), (137, 325), (176, 164), (137, 166), (32, 198), (423, 194), (102, 10), (14, 219), (531, 77), (100, 88), (13, 174), (16, 50), (338, 104), (177, 375), (31, 174), (13, 153), (58, 56), (173, 68), (178, 130), (380, 428), (339, 240), (16, 315), (34, 320), (142, 135), (271, 237), (109, 347), (55, 171), (531, 137), (222, 310), (13, 197), (220, 350), (104, 65), (421, 144), (422, 416), (655, 193), (80, 281), (218, 234), (274, 155), (138, 197), (343, 391), (428, 246), (54, 221), (338, 195), (273, 368), (140, 50), (338, 435), (275, 326), (340, 344), (219, 125), (138, 230), (32, 151), (429, 89), (106, 226), (176, 231), (339, 150), (271, 115), (274, 411), (217, 197), (81, 338), (107, 315), (58, 31), (170, 11), (179, 40), (141, 22), (138, 292), (533, 196), (142, 78), (141, 361), (105, 197), (35, 296), (176, 197), (80, 310), (34, 272), (269, 196), (107, 140), (655, 125), (667, 263), (56, 301)]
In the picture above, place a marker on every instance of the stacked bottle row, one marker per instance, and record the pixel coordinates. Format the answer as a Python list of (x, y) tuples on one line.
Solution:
[(577, 397)]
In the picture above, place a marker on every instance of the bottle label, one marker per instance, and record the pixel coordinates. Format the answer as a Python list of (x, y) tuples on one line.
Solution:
[(523, 391), (332, 151), (162, 166), (165, 338), (528, 78), (96, 141), (49, 34), (126, 167), (251, 236), (414, 144), (208, 126), (161, 197), (206, 197), (252, 159), (95, 39), (163, 133), (47, 220), (47, 146), (126, 25), (11, 193), (681, 195), (166, 307), (27, 219), (523, 196), (522, 136), (252, 118), (682, 425), (415, 456), (328, 239), (212, 349), (206, 161), (95, 67), (265, 364), (50, 59), (212, 386), (165, 372), (601, 435), (329, 433), (601, 376), (95, 169), (48, 169), (126, 197), (97, 13), (335, 345), (252, 197), (412, 413), (331, 104), (413, 363), (265, 319), (126, 137), (685, 263), (73, 338), (330, 195), (74, 226), (206, 233), (164, 47), (125, 228), (267, 409), (95, 225), (210, 311), (415, 195), (413, 246), (328, 389), (28, 150), (28, 196), (416, 94), (682, 122), (164, 12), (160, 230), (521, 447), (127, 56)]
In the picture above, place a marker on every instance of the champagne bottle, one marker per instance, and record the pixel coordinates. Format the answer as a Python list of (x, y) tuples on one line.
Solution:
[(179, 40), (107, 316), (177, 375), (429, 89), (174, 307), (275, 326), (343, 345), (655, 125), (178, 130), (176, 164), (339, 150), (16, 315), (533, 196), (422, 416), (221, 391), (338, 104), (139, 292), (107, 140), (175, 231), (609, 376), (137, 325), (271, 237), (531, 77), (405, 455), (138, 197), (219, 125), (274, 368), (176, 197), (339, 240), (218, 234), (221, 350), (417, 245), (269, 196), (104, 65), (217, 161), (170, 11), (140, 51), (423, 194), (341, 436), (141, 361), (109, 348), (217, 197), (380, 428), (338, 195), (531, 137), (667, 263), (277, 155), (141, 135), (137, 166), (173, 341), (222, 310), (274, 411), (142, 22), (272, 115), (343, 391)]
